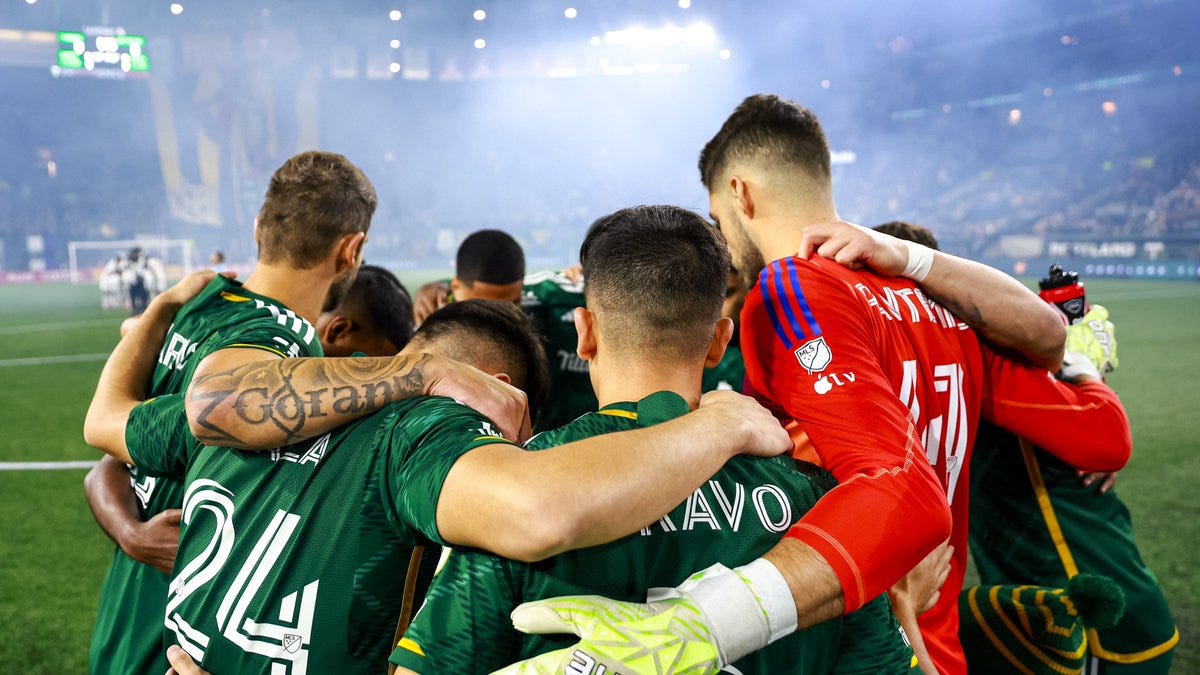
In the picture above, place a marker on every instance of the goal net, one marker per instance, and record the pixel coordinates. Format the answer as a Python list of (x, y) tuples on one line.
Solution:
[(88, 258)]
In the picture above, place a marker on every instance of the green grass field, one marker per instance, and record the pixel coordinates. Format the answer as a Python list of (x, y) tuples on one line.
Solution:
[(54, 557)]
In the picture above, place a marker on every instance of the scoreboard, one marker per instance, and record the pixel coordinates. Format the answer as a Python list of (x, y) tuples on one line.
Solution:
[(101, 52)]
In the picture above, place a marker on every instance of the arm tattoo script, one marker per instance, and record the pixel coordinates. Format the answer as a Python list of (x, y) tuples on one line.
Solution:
[(290, 400)]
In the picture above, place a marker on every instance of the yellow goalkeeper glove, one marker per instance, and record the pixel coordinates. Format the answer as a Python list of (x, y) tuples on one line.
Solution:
[(1095, 338), (714, 618)]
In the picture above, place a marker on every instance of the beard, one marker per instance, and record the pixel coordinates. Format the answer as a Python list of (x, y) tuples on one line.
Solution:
[(746, 257), (339, 288)]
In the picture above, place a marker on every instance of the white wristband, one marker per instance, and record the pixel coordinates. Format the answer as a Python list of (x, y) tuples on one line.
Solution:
[(920, 260), (1075, 366), (746, 608)]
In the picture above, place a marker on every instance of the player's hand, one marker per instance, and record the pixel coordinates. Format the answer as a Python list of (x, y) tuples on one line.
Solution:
[(732, 413), (182, 663), (1095, 337), (714, 618), (855, 246), (155, 541), (503, 404), (189, 287), (430, 298), (1106, 479), (921, 588), (574, 274)]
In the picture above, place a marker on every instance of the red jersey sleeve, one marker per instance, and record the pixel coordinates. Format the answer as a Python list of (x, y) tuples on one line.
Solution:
[(812, 350), (1084, 425)]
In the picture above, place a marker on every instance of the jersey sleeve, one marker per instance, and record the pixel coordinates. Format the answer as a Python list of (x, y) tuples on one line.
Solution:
[(812, 349), (421, 448), (158, 437), (1084, 425), (464, 625)]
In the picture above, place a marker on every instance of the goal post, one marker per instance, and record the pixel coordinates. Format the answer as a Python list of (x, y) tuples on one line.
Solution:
[(87, 258)]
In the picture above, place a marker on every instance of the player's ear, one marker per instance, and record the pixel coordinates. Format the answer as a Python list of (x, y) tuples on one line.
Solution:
[(349, 248), (585, 325), (503, 377), (455, 286), (742, 199), (334, 331), (722, 333)]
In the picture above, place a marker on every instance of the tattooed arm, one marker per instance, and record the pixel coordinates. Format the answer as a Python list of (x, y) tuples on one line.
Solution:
[(252, 400), (996, 305)]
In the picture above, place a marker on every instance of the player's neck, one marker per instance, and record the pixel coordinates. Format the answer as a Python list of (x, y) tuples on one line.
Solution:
[(302, 291), (635, 380), (779, 237)]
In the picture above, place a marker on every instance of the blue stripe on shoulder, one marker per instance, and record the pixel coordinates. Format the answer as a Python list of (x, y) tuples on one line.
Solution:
[(802, 301), (786, 301), (765, 289)]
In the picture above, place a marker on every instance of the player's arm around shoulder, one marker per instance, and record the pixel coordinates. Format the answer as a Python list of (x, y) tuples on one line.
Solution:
[(991, 302), (1033, 404), (531, 505), (252, 400), (124, 380)]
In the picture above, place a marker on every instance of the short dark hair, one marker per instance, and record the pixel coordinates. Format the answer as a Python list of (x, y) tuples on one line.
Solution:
[(908, 232), (656, 278), (380, 304), (490, 256), (470, 327), (313, 200), (768, 129)]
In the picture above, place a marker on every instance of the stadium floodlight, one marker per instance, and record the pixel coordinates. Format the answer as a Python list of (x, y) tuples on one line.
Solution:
[(670, 35), (684, 4), (31, 2), (395, 15), (725, 55), (570, 12), (394, 67), (394, 44), (480, 43), (479, 15), (176, 8)]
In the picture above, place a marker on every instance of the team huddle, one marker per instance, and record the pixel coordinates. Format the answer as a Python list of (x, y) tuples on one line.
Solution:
[(312, 471)]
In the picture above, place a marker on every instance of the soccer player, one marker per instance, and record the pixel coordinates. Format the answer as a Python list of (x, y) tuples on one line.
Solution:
[(886, 382), (374, 318), (310, 233), (1035, 521), (490, 265), (731, 371), (654, 322)]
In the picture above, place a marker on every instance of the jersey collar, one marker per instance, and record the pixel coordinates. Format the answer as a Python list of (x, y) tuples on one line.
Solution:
[(654, 409)]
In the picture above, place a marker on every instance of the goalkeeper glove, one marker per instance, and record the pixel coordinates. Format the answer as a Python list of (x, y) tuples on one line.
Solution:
[(714, 618), (1094, 337)]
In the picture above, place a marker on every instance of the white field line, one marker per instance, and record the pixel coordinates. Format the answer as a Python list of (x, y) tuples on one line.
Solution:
[(48, 360), (57, 325), (45, 466)]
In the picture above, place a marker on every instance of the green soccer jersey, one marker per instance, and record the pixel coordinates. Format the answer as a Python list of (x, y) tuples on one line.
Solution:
[(294, 560), (730, 373), (550, 300), (734, 518), (223, 315), (1034, 522)]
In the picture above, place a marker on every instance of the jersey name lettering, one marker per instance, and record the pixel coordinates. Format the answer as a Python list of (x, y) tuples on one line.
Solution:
[(909, 304), (769, 502), (175, 352)]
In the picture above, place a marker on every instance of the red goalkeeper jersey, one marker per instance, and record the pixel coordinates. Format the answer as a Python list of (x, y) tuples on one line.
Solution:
[(889, 387)]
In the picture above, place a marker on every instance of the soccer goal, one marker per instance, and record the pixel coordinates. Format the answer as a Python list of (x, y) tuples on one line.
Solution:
[(87, 258)]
